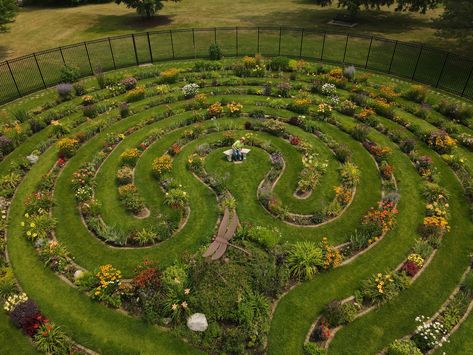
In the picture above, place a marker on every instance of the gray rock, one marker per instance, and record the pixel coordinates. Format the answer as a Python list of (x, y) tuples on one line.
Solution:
[(197, 322)]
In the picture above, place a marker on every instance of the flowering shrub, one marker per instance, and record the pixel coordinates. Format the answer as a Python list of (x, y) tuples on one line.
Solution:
[(379, 220), (429, 334), (434, 226), (275, 127), (131, 200), (190, 90), (381, 287), (348, 107), (64, 91), (441, 142), (379, 152), (342, 195), (67, 147), (130, 157), (106, 286), (161, 165), (403, 347), (124, 175), (455, 111), (331, 255), (170, 76), (310, 174), (135, 94), (27, 317), (50, 339), (284, 89), (124, 110), (54, 255), (417, 93), (324, 111), (176, 198), (294, 140), (13, 301), (387, 170), (423, 165), (84, 193), (416, 258), (174, 149), (88, 100), (195, 163), (215, 110), (388, 93), (300, 105), (329, 89), (410, 268), (129, 83), (38, 225), (364, 114), (234, 108), (350, 174)]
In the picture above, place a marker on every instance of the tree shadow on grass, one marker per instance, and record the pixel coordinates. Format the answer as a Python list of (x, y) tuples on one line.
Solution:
[(385, 22), (131, 22), (4, 52)]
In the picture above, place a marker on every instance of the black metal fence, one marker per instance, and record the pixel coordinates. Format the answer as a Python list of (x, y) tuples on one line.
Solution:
[(438, 68)]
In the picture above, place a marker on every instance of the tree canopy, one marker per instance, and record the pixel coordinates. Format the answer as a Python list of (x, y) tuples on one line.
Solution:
[(145, 8), (457, 19), (8, 9)]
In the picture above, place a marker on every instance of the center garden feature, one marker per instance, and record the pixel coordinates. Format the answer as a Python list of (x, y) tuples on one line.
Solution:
[(346, 196)]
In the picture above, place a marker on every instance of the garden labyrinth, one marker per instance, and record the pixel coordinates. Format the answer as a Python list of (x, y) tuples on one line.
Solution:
[(346, 228)]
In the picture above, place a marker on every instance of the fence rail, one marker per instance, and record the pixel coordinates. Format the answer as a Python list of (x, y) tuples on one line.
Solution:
[(438, 68)]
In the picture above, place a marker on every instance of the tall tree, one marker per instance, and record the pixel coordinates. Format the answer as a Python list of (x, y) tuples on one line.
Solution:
[(145, 8), (8, 9), (353, 6), (457, 19)]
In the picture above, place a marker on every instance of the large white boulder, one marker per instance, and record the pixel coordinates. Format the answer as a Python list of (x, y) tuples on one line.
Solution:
[(197, 322)]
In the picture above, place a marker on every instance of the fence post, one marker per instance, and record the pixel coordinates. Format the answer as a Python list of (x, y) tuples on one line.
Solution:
[(193, 42), (134, 47), (392, 58), (417, 62), (466, 84), (111, 52), (369, 51), (280, 36), (39, 69), (172, 45), (149, 47), (346, 46), (302, 40), (441, 71), (62, 56), (13, 77), (257, 48), (323, 47), (236, 40), (215, 34), (88, 57)]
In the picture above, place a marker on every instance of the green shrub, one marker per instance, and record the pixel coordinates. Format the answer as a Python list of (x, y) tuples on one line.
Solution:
[(20, 114), (313, 349), (7, 283), (304, 260), (403, 347), (417, 93), (467, 284), (279, 64), (337, 313), (69, 74), (215, 53), (146, 236), (264, 236), (360, 132)]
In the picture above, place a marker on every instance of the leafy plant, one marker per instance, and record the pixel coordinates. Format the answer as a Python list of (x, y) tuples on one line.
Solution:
[(304, 260)]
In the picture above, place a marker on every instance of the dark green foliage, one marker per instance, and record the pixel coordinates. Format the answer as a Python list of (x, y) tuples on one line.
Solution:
[(69, 74), (215, 53), (279, 64), (8, 10)]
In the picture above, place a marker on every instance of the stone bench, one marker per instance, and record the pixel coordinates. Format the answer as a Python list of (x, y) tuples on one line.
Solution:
[(229, 152)]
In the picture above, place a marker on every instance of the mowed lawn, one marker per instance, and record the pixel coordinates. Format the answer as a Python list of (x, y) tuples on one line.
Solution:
[(43, 28)]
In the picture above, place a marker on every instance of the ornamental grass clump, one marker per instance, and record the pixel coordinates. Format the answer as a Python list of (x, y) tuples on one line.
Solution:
[(304, 260)]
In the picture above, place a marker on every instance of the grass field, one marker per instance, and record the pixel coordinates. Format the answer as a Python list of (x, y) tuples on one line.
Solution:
[(42, 28)]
